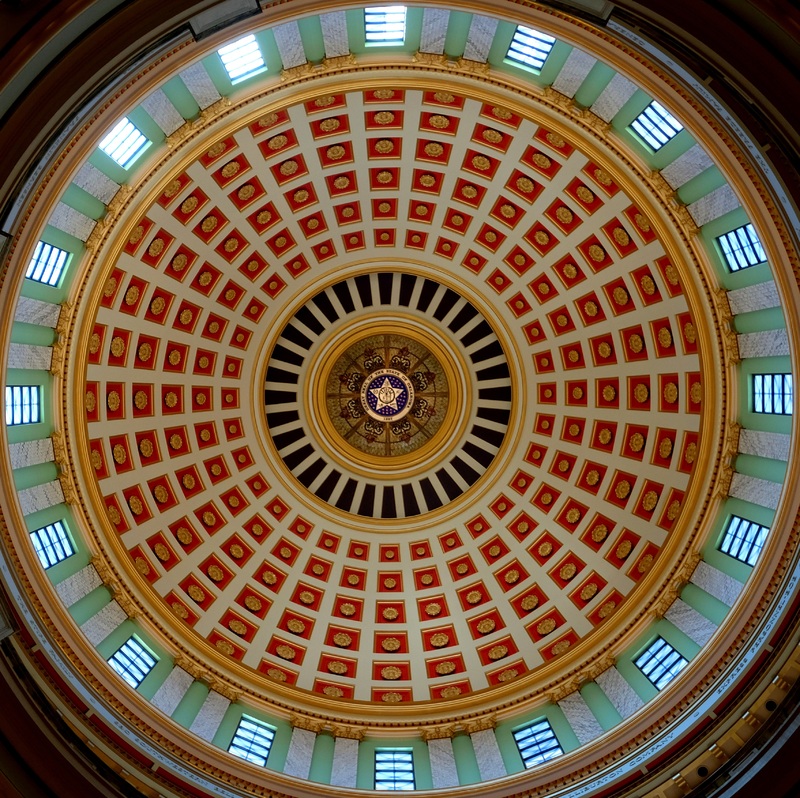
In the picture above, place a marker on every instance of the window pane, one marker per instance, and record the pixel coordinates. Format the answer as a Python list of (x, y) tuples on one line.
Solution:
[(132, 661), (772, 393), (656, 125), (52, 544), (530, 47), (47, 264), (394, 769), (741, 248), (252, 740), (661, 663), (743, 540), (125, 143), (385, 25), (242, 58), (23, 404), (537, 743)]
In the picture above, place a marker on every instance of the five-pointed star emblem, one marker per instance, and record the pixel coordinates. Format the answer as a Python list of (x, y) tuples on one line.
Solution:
[(386, 395)]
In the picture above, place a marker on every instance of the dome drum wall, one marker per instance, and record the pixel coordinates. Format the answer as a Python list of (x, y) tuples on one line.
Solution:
[(221, 504)]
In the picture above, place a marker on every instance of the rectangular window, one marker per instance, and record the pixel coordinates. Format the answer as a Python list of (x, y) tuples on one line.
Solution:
[(242, 59), (772, 393), (743, 540), (385, 25), (394, 769), (656, 125), (125, 143), (741, 248), (47, 264), (530, 47), (537, 743), (660, 663), (132, 661), (252, 740), (52, 544), (23, 404)]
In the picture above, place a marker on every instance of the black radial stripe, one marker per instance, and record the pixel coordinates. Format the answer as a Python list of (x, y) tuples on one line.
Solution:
[(450, 486), (388, 502), (497, 372), (501, 393), (298, 457), (445, 304), (345, 500), (283, 440), (339, 308), (490, 436), (364, 288), (305, 317), (308, 475), (275, 398), (342, 291), (465, 470), (280, 418), (487, 352), (478, 452), (407, 283), (410, 505), (426, 294), (477, 333), (274, 374), (385, 283), (496, 414), (367, 504), (285, 355), (432, 500), (464, 315), (291, 333), (325, 490), (320, 317), (323, 302)]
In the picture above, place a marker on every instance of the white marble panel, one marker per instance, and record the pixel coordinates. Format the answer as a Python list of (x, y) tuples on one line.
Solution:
[(71, 221), (298, 758), (443, 763), (580, 717), (28, 453), (613, 97), (766, 343), (200, 86), (692, 623), (290, 45), (29, 356), (624, 698), (755, 490), (718, 584), (163, 112), (78, 585), (209, 717), (34, 311), (694, 161), (487, 752), (434, 30), (574, 72), (720, 201), (772, 445), (480, 38), (334, 33), (40, 497), (96, 183), (103, 623), (174, 688), (754, 297), (345, 762)]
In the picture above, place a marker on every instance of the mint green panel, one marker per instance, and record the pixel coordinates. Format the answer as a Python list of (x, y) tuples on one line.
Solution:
[(145, 123), (601, 706), (190, 704), (413, 30), (124, 631), (216, 71), (181, 98), (457, 31), (593, 84), (90, 605), (34, 475), (24, 333), (322, 759), (83, 201), (108, 167), (466, 763), (698, 187), (555, 61), (757, 320), (761, 467), (269, 51), (311, 36), (707, 605)]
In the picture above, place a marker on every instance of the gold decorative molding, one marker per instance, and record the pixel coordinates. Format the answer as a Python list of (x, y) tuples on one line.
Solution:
[(309, 724), (471, 67), (346, 732), (438, 732), (206, 115), (299, 71), (431, 59), (480, 724), (730, 448), (224, 690), (338, 62)]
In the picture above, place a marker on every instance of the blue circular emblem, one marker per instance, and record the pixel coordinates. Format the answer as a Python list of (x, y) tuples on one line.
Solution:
[(387, 395)]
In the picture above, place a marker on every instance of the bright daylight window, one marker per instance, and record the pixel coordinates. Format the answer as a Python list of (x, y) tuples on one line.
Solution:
[(47, 264), (537, 743), (385, 25), (125, 143), (530, 47), (772, 393), (23, 404), (132, 661), (394, 769), (743, 540), (741, 248), (656, 125), (252, 740), (660, 663), (242, 58), (52, 544)]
